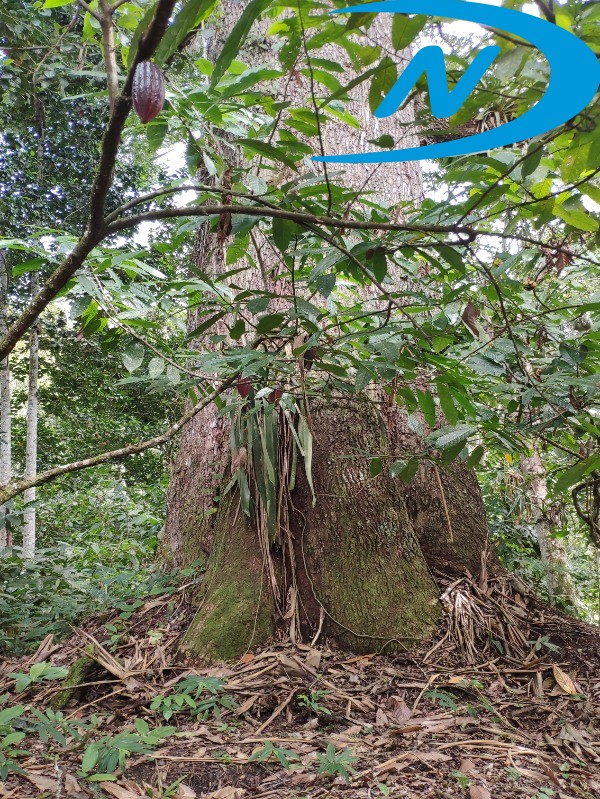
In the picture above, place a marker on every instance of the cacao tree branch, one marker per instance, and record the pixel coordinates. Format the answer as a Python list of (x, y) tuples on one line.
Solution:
[(87, 7), (117, 4), (198, 187), (16, 487), (469, 233), (95, 231)]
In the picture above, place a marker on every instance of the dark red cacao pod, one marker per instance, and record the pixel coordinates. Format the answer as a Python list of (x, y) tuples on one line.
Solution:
[(244, 386), (275, 395), (148, 91)]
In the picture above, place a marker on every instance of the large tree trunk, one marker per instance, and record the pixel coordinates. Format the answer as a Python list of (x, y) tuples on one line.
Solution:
[(353, 565)]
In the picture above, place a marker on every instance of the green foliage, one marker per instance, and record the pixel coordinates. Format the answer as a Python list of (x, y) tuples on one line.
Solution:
[(9, 740), (51, 726), (39, 672), (60, 587), (102, 757), (332, 762), (312, 701), (488, 296), (270, 751), (444, 698), (201, 696)]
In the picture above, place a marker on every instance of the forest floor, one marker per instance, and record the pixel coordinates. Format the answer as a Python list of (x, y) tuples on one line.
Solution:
[(505, 702)]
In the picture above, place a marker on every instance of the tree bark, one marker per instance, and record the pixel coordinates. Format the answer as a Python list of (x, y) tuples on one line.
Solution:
[(553, 550), (5, 405), (31, 446), (353, 565)]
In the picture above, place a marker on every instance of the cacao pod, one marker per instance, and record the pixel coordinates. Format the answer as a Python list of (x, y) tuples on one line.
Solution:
[(148, 91), (244, 386), (275, 395)]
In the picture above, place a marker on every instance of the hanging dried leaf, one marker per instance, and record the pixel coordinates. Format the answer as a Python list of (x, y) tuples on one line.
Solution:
[(470, 316), (239, 460)]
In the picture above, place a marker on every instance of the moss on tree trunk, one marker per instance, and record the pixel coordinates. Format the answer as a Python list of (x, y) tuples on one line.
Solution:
[(360, 574), (235, 612)]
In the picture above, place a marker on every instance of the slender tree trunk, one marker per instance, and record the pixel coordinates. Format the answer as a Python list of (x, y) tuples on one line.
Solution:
[(350, 562), (553, 550), (5, 405), (29, 531)]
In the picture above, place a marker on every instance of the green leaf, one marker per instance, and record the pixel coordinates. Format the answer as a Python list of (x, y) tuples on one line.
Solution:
[(133, 356), (191, 14), (56, 3), (10, 713), (377, 263), (238, 330), (475, 457), (138, 33), (447, 404), (386, 141), (90, 758), (306, 442), (405, 470), (237, 37), (383, 80), (270, 322), (142, 726), (11, 739), (453, 436), (37, 670), (284, 231), (577, 218), (405, 29), (375, 467), (576, 473), (268, 151), (156, 367), (427, 405), (206, 325)]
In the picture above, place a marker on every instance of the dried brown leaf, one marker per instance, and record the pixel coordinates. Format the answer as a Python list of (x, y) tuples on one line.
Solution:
[(381, 719), (185, 792), (313, 659), (398, 710), (42, 783), (479, 792), (226, 793), (564, 681), (467, 766), (470, 316), (119, 792)]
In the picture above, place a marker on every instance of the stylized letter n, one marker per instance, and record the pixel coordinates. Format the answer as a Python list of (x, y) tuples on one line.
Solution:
[(431, 61)]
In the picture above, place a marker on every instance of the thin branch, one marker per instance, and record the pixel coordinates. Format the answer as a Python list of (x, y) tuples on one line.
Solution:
[(17, 487), (198, 187), (469, 233), (87, 7), (110, 53)]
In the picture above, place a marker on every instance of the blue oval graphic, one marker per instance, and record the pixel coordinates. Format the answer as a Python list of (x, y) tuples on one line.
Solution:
[(574, 78)]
